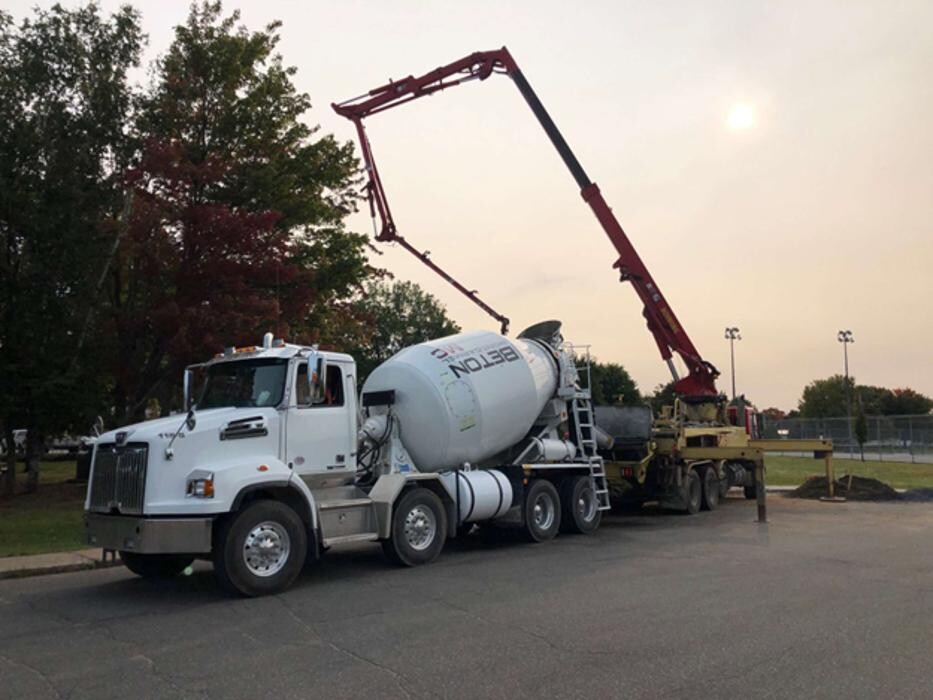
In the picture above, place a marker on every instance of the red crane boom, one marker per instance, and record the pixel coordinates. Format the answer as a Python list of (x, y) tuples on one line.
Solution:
[(667, 331)]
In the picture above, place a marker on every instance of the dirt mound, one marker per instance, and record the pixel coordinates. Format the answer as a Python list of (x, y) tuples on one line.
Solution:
[(917, 495), (854, 488)]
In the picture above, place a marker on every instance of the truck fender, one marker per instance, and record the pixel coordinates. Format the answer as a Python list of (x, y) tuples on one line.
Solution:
[(293, 492), (387, 489)]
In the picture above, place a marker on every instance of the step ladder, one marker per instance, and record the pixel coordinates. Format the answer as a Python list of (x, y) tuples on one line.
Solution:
[(585, 424)]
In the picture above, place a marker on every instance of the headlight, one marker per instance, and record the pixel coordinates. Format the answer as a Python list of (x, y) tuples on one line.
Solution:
[(201, 487)]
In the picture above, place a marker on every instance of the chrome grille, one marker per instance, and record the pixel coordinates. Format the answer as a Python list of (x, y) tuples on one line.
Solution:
[(118, 478)]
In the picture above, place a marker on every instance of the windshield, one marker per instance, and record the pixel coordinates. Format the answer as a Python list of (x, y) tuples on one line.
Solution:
[(244, 383)]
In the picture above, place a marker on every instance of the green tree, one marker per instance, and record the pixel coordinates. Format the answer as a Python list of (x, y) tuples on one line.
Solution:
[(907, 402), (825, 398), (398, 314), (663, 395), (861, 426), (612, 385), (65, 107), (237, 224), (874, 399)]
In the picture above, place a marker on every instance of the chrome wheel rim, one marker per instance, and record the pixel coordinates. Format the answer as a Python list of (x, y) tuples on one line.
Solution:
[(420, 528), (543, 512), (266, 549), (586, 505)]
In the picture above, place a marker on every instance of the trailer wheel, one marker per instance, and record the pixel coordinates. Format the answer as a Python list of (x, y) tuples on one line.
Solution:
[(579, 506), (724, 487), (751, 492), (419, 529), (693, 492), (261, 549), (155, 566), (710, 489), (541, 511)]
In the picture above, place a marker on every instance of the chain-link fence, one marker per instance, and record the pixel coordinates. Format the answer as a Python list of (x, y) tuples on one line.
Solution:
[(890, 438)]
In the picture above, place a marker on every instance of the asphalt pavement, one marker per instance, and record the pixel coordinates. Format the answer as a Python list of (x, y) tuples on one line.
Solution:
[(826, 600)]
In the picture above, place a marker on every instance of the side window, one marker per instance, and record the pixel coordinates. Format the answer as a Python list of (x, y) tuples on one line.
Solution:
[(333, 396)]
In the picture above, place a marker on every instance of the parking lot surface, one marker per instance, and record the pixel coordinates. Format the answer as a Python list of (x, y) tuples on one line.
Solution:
[(826, 600)]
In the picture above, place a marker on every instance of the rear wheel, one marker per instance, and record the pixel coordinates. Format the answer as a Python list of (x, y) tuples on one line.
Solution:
[(261, 549), (710, 489), (579, 506), (751, 492), (693, 492), (419, 529), (541, 511), (155, 566)]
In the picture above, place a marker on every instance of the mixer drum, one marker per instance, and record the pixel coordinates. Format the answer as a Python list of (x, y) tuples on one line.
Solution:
[(466, 397)]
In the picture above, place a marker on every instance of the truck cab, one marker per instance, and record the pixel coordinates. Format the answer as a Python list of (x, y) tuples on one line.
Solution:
[(258, 427)]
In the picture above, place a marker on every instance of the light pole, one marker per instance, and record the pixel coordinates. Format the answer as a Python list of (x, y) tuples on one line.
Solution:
[(732, 335), (846, 337)]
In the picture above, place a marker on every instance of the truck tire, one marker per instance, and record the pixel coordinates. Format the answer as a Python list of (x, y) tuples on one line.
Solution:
[(541, 511), (751, 492), (693, 492), (155, 566), (419, 528), (710, 489), (261, 549), (724, 487), (580, 512)]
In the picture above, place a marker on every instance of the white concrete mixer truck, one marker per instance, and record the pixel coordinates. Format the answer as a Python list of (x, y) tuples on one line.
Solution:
[(278, 460)]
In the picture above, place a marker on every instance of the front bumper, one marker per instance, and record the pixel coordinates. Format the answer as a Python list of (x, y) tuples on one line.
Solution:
[(148, 535)]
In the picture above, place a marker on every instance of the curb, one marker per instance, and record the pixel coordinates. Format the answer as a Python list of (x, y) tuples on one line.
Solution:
[(54, 563)]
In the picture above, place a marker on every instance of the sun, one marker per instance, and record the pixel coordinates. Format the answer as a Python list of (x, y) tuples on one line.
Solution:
[(742, 116)]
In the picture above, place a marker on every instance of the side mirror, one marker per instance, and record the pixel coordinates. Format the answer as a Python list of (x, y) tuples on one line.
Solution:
[(315, 376), (186, 390)]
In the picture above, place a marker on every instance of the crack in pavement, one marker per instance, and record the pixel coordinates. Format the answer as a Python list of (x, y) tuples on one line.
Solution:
[(525, 631), (400, 679), (139, 654), (35, 671)]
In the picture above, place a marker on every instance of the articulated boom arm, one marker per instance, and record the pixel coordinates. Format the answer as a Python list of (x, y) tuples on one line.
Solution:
[(663, 324)]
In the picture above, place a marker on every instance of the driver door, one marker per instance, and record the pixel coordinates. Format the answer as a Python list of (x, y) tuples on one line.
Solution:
[(319, 441)]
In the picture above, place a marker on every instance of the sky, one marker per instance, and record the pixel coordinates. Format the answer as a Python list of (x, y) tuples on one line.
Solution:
[(771, 162)]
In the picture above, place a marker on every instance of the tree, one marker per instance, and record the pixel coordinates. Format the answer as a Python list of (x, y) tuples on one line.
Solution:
[(907, 402), (861, 426), (774, 414), (612, 385), (64, 112), (873, 398), (399, 314), (237, 222), (663, 395), (825, 398)]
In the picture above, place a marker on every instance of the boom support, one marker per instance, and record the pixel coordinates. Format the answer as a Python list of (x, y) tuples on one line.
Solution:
[(663, 324)]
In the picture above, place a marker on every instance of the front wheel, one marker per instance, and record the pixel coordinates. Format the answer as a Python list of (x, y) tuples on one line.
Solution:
[(580, 506), (155, 566), (419, 529), (261, 549), (541, 511)]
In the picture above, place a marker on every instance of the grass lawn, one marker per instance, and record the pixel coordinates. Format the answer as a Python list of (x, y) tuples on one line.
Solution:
[(49, 520), (793, 471)]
